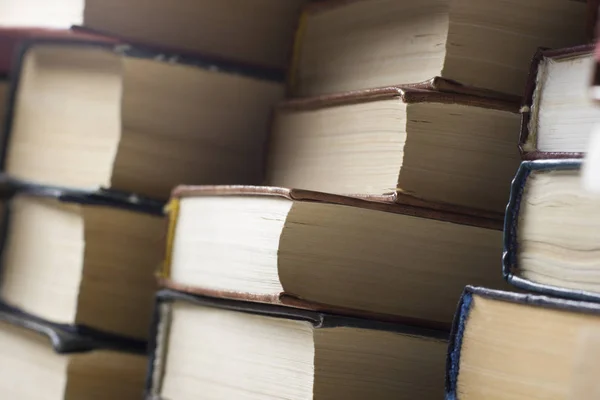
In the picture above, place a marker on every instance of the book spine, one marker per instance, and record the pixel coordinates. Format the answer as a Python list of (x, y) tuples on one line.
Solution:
[(510, 264), (66, 338), (527, 140), (454, 347), (528, 135), (157, 349)]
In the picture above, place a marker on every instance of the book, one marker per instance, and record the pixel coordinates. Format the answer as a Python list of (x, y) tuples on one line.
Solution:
[(333, 253), (39, 359), (258, 31), (143, 123), (559, 112), (449, 148), (352, 45), (550, 231), (81, 258), (522, 346), (234, 349)]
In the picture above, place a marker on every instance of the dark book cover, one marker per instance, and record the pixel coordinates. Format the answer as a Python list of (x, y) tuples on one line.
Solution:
[(100, 198), (317, 319), (462, 315), (510, 264), (66, 339)]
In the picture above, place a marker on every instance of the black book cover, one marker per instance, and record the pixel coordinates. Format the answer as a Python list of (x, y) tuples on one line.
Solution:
[(462, 315), (510, 263), (66, 339), (100, 198), (317, 319)]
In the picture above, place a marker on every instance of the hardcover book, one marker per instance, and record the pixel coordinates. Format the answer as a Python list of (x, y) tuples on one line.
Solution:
[(81, 258), (258, 31), (551, 231), (39, 359), (237, 350), (327, 252), (420, 145), (360, 44), (558, 112), (521, 347), (98, 115)]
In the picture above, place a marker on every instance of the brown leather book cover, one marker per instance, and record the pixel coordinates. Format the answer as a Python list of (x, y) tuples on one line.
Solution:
[(385, 203), (416, 93), (12, 38), (434, 91), (527, 143), (379, 203)]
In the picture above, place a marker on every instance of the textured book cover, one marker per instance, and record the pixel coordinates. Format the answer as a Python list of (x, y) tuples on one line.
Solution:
[(68, 208), (163, 318), (528, 355), (528, 139), (293, 286), (513, 219)]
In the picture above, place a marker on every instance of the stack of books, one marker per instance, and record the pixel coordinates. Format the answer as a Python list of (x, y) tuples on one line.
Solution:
[(387, 174), (180, 223), (100, 122), (544, 344)]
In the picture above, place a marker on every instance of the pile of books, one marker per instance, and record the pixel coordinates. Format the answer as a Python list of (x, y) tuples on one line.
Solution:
[(285, 199)]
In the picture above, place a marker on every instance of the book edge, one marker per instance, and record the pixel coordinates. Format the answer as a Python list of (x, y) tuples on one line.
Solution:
[(70, 338), (455, 345), (530, 105), (100, 197), (510, 265), (462, 315), (434, 90), (318, 319), (385, 203), (139, 49), (543, 300), (289, 301), (109, 44)]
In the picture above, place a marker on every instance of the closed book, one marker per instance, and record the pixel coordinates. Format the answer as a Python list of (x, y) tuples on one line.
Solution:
[(92, 115), (558, 114), (420, 145), (80, 258), (550, 231), (258, 32), (522, 346), (237, 349), (353, 45), (40, 359), (328, 252)]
